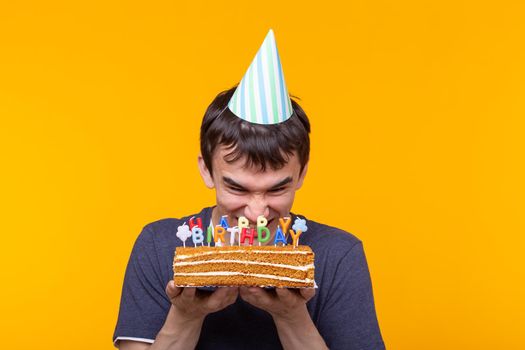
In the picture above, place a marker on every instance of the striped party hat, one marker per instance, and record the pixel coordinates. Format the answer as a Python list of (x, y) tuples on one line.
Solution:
[(262, 96)]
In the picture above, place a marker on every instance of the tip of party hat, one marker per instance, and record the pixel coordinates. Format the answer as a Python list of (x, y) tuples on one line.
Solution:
[(262, 95)]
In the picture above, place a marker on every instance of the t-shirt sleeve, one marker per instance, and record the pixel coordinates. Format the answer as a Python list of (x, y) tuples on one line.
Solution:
[(144, 304), (349, 319)]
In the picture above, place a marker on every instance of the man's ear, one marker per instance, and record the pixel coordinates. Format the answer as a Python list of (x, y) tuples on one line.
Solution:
[(205, 173), (301, 176)]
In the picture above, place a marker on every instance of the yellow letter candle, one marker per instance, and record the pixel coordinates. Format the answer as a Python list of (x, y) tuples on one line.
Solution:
[(298, 228)]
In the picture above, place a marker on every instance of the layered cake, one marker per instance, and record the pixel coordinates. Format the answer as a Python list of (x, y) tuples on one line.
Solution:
[(264, 266)]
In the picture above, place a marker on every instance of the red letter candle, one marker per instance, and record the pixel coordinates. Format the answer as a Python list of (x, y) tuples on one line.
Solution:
[(247, 233)]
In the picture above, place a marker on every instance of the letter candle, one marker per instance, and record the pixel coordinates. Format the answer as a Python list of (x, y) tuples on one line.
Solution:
[(220, 230), (193, 224), (197, 235), (218, 236), (247, 233), (261, 227), (299, 226), (279, 236), (233, 232), (209, 235), (242, 231), (196, 230), (224, 222), (285, 223), (295, 237), (242, 222)]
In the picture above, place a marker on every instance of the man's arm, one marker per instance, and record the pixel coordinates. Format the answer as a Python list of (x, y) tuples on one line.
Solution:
[(182, 327), (173, 335), (348, 319), (133, 345)]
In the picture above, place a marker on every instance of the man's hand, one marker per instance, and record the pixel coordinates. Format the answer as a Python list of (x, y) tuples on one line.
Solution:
[(189, 307), (281, 303), (191, 304)]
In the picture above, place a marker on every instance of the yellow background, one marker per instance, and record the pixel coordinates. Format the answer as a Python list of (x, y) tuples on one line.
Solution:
[(417, 110)]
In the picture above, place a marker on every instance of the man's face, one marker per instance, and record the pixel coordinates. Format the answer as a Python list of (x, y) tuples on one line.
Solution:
[(246, 191)]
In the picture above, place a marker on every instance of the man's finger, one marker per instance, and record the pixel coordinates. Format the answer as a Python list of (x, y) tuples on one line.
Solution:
[(285, 295), (216, 297), (233, 293), (188, 294), (172, 291), (256, 296), (220, 298), (307, 293)]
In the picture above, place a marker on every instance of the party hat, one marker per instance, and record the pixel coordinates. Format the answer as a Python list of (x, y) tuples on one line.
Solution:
[(262, 96)]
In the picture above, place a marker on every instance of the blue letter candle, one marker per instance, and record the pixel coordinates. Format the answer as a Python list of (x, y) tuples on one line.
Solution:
[(224, 222), (279, 236), (197, 235)]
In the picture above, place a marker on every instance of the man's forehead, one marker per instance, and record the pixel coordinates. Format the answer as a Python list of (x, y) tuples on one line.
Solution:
[(221, 155)]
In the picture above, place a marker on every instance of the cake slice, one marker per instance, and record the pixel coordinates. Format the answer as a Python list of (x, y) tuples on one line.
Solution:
[(264, 266)]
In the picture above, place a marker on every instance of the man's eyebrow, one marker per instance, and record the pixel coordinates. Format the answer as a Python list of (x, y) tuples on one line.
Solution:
[(233, 183), (282, 182)]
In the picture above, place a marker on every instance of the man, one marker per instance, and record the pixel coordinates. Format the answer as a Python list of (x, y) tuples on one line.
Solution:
[(256, 159)]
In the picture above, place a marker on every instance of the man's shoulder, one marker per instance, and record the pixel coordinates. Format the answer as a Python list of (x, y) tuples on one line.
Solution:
[(335, 250), (161, 235), (169, 225), (323, 236), (165, 225)]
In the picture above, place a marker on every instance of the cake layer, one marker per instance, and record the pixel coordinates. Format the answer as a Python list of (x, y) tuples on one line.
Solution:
[(284, 258), (283, 266), (299, 272), (236, 252), (240, 280)]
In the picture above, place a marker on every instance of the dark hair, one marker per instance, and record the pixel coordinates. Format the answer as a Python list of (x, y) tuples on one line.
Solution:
[(261, 145)]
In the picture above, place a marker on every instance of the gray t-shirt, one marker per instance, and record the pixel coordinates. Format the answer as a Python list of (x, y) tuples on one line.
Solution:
[(342, 309)]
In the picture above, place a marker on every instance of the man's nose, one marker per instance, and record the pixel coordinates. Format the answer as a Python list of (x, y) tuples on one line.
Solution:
[(256, 206)]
